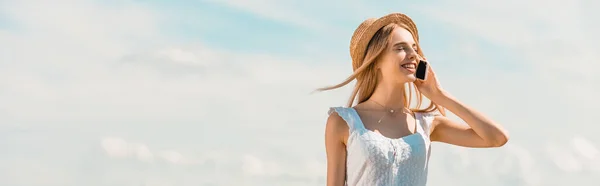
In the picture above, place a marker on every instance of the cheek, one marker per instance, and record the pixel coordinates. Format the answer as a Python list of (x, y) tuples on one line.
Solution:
[(400, 56), (388, 66), (392, 60)]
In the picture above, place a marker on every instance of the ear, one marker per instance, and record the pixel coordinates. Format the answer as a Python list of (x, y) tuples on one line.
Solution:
[(378, 72), (376, 64)]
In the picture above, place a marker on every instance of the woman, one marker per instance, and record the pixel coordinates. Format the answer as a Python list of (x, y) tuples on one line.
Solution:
[(382, 140)]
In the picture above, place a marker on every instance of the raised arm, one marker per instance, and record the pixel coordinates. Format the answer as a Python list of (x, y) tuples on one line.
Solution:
[(336, 131), (480, 131)]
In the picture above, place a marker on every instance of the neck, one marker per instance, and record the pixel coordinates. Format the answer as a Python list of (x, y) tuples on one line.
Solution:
[(389, 94)]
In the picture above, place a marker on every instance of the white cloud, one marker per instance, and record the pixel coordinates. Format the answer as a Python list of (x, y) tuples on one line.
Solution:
[(82, 28), (23, 171), (119, 148), (585, 148), (547, 34), (305, 15), (275, 10), (73, 42), (564, 159), (253, 166), (172, 156), (525, 165), (184, 57), (143, 153), (116, 147)]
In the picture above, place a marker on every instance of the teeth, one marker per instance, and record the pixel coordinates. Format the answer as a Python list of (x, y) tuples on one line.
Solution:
[(408, 65)]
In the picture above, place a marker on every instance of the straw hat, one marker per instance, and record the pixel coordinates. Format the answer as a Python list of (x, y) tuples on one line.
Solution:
[(365, 31)]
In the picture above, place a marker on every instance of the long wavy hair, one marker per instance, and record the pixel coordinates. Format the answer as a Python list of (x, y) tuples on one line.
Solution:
[(367, 78)]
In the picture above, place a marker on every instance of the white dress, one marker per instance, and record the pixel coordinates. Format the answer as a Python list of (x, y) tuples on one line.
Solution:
[(375, 160)]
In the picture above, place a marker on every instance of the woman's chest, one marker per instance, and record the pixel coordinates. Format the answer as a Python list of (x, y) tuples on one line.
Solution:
[(378, 149)]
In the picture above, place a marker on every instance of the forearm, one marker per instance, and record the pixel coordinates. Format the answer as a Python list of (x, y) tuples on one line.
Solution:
[(483, 126)]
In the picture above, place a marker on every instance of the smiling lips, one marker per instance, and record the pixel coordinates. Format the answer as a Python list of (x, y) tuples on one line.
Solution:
[(411, 67)]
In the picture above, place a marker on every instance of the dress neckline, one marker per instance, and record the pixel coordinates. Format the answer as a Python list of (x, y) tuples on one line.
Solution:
[(362, 125)]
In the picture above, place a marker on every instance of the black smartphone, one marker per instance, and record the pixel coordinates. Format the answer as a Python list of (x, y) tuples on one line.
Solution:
[(421, 70)]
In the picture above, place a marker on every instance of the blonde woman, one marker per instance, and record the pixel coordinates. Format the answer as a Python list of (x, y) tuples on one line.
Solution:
[(382, 140)]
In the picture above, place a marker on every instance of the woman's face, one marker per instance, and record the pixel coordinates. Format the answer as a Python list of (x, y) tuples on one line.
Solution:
[(398, 62)]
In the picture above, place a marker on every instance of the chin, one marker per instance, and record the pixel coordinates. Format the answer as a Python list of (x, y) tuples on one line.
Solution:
[(411, 78), (407, 79)]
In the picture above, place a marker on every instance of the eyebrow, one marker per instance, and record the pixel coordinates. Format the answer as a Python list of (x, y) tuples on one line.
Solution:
[(402, 43)]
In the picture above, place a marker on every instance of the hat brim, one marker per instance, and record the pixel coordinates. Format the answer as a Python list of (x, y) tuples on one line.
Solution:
[(369, 27)]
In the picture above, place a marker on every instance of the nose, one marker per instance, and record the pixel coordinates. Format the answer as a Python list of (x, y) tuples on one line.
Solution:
[(412, 55)]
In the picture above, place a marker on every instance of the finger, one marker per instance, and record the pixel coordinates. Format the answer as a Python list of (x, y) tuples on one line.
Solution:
[(418, 82)]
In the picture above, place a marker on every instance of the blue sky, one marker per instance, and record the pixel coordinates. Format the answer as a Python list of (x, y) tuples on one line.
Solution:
[(217, 92)]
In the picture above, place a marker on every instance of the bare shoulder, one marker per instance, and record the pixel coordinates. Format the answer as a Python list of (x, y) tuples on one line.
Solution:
[(336, 127), (439, 119), (336, 131), (436, 119)]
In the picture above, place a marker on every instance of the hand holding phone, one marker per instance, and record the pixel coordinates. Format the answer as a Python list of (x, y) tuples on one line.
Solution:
[(421, 72)]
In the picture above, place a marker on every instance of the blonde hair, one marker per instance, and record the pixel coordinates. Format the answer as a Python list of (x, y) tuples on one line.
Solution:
[(366, 76)]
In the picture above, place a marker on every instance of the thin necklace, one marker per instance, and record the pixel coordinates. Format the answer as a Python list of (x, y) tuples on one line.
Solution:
[(388, 110)]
